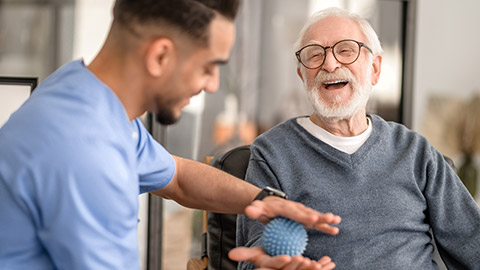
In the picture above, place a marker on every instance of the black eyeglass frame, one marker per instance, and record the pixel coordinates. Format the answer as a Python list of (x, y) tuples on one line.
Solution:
[(360, 45)]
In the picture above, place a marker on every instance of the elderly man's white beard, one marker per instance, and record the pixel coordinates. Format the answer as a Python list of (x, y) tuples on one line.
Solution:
[(337, 111)]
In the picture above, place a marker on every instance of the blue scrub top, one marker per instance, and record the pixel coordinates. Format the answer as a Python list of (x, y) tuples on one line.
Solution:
[(71, 168)]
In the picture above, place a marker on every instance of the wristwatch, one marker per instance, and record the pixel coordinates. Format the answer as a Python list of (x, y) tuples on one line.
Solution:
[(268, 191)]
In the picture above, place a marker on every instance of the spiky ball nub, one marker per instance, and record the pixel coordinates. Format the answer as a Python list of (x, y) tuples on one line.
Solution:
[(284, 236)]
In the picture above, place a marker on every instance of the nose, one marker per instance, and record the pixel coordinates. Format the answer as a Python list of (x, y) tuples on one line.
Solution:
[(212, 82), (330, 63)]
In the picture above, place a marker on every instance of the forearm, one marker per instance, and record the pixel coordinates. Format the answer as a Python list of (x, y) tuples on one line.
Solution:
[(197, 185), (200, 186)]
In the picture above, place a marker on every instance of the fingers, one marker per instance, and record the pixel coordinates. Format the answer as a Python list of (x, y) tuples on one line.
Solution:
[(272, 206), (258, 257), (326, 263), (303, 263), (323, 223), (298, 262), (326, 228)]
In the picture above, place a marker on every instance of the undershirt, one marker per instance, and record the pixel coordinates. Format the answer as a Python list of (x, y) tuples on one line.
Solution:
[(348, 145)]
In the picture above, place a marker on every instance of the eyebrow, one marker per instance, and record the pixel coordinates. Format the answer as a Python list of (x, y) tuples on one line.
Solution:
[(314, 42), (219, 62)]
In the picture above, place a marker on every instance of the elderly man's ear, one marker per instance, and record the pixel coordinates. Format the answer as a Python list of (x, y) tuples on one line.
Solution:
[(299, 72), (159, 54), (377, 68)]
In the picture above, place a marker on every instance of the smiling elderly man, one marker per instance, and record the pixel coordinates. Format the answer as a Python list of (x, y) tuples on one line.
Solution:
[(391, 187)]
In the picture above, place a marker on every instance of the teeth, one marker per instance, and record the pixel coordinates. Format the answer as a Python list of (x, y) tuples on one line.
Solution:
[(335, 82)]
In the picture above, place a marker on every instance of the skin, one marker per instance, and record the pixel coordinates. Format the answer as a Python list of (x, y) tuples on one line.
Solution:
[(327, 32), (257, 256), (159, 70)]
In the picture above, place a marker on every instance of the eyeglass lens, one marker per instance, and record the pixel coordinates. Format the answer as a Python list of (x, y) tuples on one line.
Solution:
[(346, 52)]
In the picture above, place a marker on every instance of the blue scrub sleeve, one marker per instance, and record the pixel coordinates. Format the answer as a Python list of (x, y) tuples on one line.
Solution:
[(156, 166)]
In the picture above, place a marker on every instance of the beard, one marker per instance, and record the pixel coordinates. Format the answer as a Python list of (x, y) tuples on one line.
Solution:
[(165, 112), (336, 110), (166, 117)]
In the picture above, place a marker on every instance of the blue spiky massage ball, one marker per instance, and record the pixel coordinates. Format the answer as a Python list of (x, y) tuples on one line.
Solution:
[(284, 236)]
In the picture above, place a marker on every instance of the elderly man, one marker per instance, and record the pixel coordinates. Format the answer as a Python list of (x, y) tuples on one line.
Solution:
[(391, 187), (75, 156)]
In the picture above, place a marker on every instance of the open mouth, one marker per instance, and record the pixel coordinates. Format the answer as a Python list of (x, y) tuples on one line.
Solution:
[(333, 85)]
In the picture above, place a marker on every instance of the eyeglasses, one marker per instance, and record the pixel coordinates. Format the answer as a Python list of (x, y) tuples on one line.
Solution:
[(345, 52)]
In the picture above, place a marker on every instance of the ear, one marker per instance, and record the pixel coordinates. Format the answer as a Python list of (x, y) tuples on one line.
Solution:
[(299, 72), (160, 53), (377, 68)]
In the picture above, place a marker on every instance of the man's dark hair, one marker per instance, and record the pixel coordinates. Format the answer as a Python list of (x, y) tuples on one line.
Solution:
[(191, 17)]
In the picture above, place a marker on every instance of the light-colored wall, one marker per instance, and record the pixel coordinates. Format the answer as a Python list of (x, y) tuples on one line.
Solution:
[(447, 57), (447, 54), (92, 21)]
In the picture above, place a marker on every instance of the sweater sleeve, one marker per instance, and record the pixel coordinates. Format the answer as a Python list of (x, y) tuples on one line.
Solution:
[(249, 232), (453, 214)]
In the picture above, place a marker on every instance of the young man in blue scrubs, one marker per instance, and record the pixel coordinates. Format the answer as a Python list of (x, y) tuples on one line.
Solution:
[(74, 157)]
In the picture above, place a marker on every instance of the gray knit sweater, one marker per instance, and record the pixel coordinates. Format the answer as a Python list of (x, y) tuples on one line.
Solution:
[(390, 194)]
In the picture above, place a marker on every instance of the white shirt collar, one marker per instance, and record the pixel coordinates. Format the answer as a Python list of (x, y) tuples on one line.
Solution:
[(348, 145)]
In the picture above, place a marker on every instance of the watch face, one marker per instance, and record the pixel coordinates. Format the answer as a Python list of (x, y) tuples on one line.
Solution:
[(276, 192), (268, 191)]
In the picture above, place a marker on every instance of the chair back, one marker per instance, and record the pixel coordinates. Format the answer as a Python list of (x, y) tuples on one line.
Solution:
[(221, 228)]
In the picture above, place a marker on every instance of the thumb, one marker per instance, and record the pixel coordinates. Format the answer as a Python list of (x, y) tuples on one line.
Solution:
[(257, 256), (243, 253), (256, 210)]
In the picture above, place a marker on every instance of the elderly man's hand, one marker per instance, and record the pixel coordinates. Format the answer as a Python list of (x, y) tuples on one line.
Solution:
[(273, 206), (258, 257)]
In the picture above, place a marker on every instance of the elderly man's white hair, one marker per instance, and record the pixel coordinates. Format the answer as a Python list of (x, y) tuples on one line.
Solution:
[(372, 39)]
